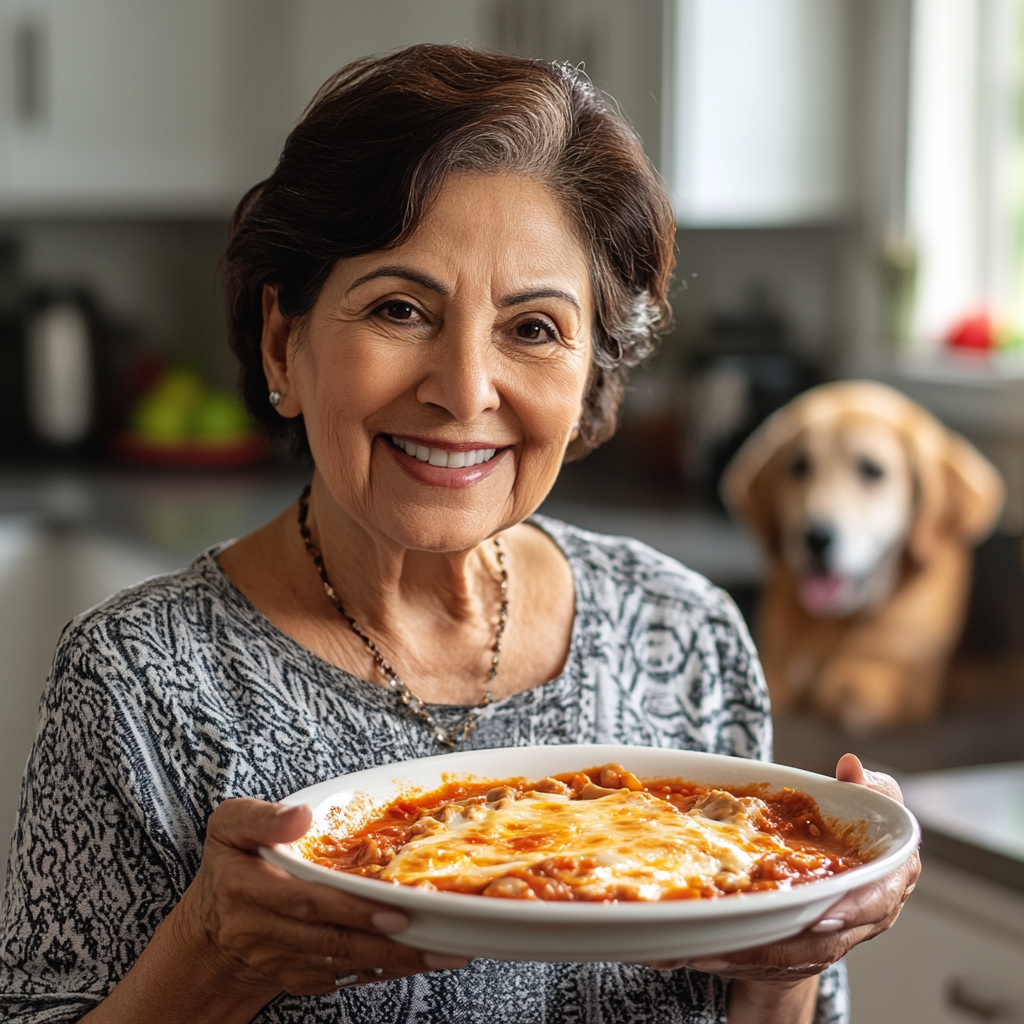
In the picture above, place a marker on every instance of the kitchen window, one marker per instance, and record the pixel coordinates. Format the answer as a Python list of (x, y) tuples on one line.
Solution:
[(965, 203)]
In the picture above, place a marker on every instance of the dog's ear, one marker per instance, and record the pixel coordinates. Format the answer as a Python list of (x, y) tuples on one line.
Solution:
[(959, 492), (747, 487)]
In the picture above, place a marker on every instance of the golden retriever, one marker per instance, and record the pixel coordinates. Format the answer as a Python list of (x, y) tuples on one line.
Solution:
[(868, 509)]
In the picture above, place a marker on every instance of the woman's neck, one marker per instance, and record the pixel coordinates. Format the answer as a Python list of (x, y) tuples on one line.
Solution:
[(382, 582), (433, 615)]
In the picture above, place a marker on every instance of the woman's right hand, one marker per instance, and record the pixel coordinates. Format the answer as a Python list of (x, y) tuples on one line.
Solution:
[(245, 931), (273, 929)]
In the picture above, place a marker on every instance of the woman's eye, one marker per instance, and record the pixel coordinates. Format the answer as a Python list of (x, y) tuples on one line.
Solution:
[(535, 330), (397, 310)]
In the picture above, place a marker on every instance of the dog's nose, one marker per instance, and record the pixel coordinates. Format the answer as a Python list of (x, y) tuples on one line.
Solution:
[(819, 540)]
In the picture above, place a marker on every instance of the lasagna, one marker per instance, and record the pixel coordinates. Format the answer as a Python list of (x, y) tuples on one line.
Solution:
[(596, 835)]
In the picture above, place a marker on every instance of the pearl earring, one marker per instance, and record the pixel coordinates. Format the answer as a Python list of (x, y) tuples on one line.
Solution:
[(274, 398)]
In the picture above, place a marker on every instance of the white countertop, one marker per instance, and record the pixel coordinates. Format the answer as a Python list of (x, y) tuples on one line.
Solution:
[(982, 805)]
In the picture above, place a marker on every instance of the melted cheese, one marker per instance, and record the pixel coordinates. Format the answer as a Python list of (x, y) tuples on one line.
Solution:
[(627, 845)]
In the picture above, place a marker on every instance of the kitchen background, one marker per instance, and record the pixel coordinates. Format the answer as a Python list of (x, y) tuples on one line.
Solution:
[(847, 180)]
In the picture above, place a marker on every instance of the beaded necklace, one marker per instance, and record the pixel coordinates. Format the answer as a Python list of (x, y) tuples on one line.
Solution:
[(445, 737)]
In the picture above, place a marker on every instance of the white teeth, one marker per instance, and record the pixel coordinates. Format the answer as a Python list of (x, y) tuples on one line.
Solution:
[(443, 458)]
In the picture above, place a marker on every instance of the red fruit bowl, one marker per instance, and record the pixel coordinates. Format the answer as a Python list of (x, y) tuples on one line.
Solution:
[(244, 450)]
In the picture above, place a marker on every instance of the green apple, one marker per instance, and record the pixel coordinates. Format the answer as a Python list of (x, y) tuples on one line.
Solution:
[(167, 413), (221, 416)]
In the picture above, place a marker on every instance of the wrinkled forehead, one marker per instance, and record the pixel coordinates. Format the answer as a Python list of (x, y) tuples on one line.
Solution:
[(852, 436)]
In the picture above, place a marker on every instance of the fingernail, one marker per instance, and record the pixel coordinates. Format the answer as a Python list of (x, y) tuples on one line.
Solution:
[(709, 966), (828, 924), (284, 809), (444, 962), (389, 921)]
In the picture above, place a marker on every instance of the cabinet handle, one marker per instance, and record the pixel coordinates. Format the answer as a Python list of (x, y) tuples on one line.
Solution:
[(963, 996), (29, 65)]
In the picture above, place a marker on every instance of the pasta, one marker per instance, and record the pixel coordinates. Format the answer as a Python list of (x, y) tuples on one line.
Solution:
[(597, 835)]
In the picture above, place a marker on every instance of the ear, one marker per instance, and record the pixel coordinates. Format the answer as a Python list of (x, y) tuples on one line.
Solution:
[(748, 485), (959, 492), (276, 352)]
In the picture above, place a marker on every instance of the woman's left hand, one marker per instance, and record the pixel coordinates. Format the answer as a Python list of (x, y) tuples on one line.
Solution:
[(777, 973)]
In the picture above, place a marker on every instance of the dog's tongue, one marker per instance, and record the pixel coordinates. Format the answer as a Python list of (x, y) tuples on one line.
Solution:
[(823, 594)]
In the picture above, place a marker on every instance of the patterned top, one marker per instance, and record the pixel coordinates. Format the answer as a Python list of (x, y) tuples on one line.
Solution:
[(177, 693)]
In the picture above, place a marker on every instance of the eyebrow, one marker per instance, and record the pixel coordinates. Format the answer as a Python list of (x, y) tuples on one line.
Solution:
[(407, 273), (542, 293)]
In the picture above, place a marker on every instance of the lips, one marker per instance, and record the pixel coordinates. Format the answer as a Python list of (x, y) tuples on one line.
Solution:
[(458, 465)]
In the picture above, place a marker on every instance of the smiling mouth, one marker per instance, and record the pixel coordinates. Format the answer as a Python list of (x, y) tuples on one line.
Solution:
[(442, 458)]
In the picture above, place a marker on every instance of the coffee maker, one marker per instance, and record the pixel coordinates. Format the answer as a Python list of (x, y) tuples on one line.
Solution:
[(48, 367)]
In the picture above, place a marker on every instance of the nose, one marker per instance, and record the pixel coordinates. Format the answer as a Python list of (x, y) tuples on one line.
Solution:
[(461, 378), (819, 539)]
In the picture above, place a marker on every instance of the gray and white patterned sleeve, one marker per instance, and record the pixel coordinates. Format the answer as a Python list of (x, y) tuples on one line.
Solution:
[(833, 996), (86, 886), (746, 722)]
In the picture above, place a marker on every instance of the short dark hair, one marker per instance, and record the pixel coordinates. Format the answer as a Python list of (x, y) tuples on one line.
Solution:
[(373, 149)]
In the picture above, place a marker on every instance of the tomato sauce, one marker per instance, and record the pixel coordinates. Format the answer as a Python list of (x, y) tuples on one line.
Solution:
[(781, 836)]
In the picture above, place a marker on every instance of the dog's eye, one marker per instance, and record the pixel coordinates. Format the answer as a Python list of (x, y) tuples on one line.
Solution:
[(869, 469), (801, 466)]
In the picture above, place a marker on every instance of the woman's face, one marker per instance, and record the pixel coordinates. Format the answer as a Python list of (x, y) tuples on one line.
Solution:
[(440, 381)]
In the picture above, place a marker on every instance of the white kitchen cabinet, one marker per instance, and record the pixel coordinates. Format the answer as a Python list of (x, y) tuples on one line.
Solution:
[(757, 111), (176, 107), (112, 104), (955, 955), (139, 106)]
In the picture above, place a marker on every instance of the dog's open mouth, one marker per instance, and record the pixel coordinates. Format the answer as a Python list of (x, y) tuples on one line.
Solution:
[(827, 594)]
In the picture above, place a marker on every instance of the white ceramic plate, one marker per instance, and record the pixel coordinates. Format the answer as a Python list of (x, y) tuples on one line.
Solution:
[(632, 932)]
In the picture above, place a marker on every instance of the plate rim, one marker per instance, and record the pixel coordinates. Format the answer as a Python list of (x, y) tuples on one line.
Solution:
[(625, 912)]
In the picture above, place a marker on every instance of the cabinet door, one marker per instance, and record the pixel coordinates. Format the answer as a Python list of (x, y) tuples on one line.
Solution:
[(938, 966), (758, 111), (112, 105)]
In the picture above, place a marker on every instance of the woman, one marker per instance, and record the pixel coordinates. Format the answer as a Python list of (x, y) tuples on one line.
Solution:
[(436, 294)]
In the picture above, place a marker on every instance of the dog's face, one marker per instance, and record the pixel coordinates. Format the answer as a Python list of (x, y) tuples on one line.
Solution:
[(845, 499), (847, 479)]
